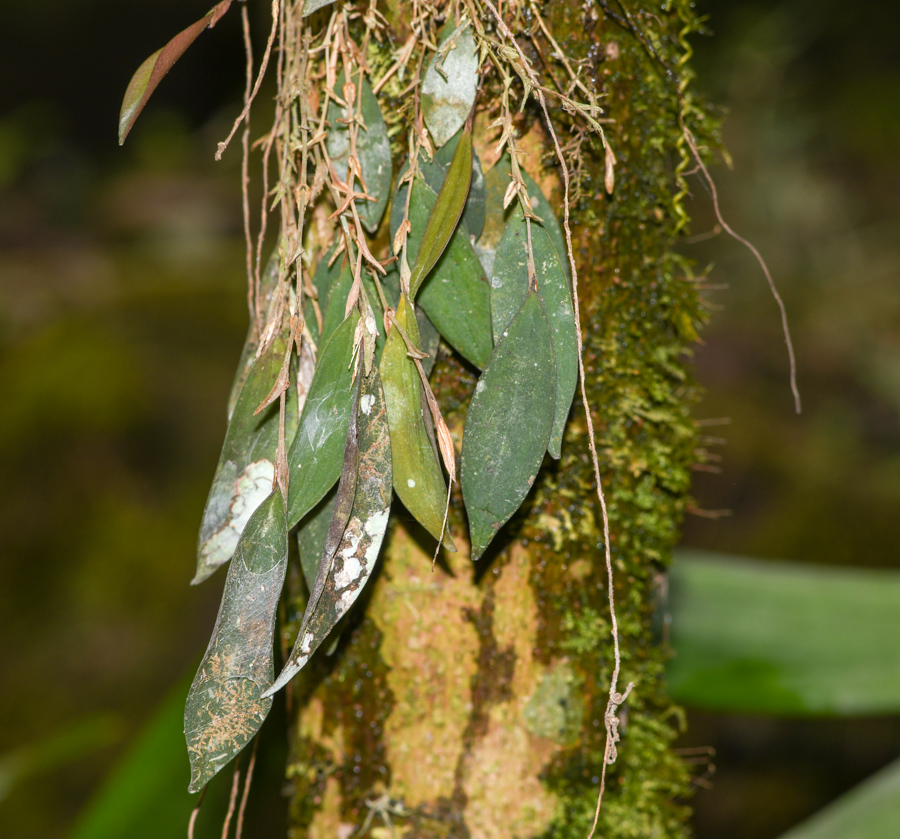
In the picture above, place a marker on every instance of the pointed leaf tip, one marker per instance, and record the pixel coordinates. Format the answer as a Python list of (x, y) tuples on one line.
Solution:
[(151, 72)]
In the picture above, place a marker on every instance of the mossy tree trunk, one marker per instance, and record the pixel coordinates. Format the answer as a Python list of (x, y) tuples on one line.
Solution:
[(469, 701)]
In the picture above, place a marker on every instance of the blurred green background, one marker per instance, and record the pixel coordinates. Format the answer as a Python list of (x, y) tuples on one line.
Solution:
[(122, 315)]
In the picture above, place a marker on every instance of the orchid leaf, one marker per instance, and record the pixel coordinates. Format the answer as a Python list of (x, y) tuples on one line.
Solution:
[(268, 284), (450, 83), (435, 171), (225, 706), (509, 423), (151, 72), (311, 536), (336, 302), (317, 452), (429, 337), (373, 150), (456, 296), (418, 478), (438, 226), (509, 287), (496, 181), (246, 466), (345, 568)]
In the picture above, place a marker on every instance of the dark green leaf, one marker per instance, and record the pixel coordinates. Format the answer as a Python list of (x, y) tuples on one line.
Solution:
[(346, 567), (247, 464), (456, 297), (509, 286), (373, 150), (435, 171), (450, 83), (765, 637), (317, 452), (225, 706), (335, 308), (151, 72), (311, 536), (509, 424), (871, 810), (496, 182), (418, 478), (435, 229)]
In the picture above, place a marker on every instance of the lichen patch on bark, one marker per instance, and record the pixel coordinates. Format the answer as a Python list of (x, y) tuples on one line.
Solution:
[(431, 656)]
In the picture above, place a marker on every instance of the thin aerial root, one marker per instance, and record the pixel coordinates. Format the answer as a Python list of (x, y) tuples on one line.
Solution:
[(692, 143)]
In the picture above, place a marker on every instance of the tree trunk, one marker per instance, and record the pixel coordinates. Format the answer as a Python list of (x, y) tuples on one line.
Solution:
[(469, 701)]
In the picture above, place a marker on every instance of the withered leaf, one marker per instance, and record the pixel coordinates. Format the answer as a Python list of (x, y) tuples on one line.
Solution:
[(508, 425), (151, 72), (346, 567), (317, 452), (225, 706), (246, 466)]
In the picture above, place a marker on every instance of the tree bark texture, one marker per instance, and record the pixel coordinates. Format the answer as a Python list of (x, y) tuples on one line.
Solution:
[(469, 701)]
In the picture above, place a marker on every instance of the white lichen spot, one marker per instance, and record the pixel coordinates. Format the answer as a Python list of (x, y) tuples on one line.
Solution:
[(349, 573), (479, 387), (377, 523), (411, 483), (366, 403), (306, 644), (250, 489), (347, 600), (496, 282)]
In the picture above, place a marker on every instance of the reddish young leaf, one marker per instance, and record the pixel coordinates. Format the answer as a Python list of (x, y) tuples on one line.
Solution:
[(150, 73)]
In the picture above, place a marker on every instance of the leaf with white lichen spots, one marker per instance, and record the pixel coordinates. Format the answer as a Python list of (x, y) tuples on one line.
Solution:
[(225, 706), (347, 566)]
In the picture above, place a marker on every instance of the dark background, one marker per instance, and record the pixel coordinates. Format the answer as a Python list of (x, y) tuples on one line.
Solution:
[(122, 314)]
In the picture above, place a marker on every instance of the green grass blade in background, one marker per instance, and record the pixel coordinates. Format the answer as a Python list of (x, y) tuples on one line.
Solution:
[(870, 810), (145, 795), (784, 638)]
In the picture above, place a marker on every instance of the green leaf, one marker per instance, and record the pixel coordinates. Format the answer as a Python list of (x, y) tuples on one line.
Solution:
[(347, 566), (450, 83), (336, 306), (429, 336), (311, 536), (246, 466), (870, 810), (144, 795), (509, 287), (151, 72), (496, 181), (509, 424), (317, 452), (443, 214), (435, 171), (418, 478), (765, 637), (225, 707), (373, 150), (268, 283)]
